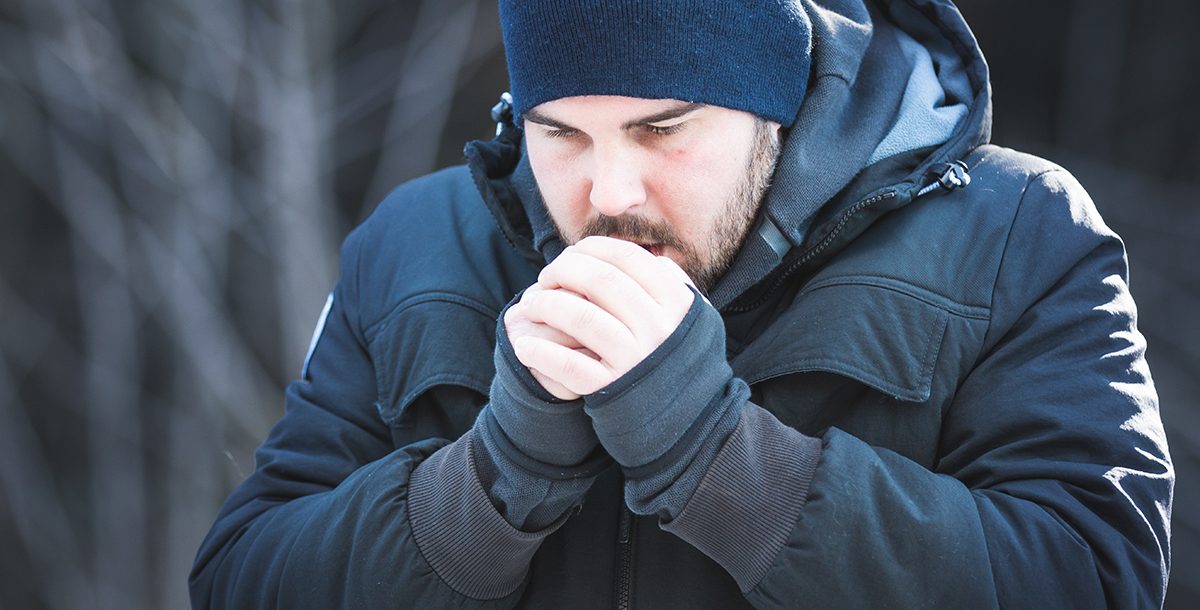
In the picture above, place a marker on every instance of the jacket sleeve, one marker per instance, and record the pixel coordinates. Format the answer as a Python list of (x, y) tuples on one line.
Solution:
[(324, 522), (1053, 483)]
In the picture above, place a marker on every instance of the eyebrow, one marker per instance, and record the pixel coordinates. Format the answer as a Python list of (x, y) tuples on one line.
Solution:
[(674, 112)]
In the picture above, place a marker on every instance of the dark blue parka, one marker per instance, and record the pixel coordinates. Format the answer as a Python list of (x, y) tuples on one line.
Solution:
[(967, 355)]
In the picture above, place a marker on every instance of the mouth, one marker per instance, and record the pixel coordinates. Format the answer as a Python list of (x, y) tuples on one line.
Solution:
[(655, 249)]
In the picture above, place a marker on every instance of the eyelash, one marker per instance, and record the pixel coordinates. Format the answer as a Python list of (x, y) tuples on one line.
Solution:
[(560, 133), (665, 131), (653, 129)]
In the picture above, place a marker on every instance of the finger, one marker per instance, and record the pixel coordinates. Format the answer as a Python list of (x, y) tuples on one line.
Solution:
[(662, 278), (518, 324), (555, 388), (602, 283), (573, 370), (678, 272), (636, 262), (671, 267), (588, 323), (536, 287)]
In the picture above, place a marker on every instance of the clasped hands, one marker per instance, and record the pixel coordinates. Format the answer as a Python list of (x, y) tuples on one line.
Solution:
[(595, 312)]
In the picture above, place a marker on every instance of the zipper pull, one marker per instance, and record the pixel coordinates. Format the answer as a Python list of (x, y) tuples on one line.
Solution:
[(953, 176)]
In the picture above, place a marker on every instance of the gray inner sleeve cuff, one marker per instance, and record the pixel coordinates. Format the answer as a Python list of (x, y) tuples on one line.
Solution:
[(458, 531), (751, 497)]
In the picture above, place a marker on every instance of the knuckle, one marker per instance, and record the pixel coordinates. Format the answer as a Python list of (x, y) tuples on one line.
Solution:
[(584, 317), (581, 373), (531, 306), (569, 368), (566, 258), (608, 275), (560, 271), (628, 252), (527, 300)]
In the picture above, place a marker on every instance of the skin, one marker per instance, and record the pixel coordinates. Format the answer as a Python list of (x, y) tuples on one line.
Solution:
[(651, 195)]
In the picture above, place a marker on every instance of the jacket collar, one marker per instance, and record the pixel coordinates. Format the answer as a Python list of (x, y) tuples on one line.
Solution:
[(826, 188)]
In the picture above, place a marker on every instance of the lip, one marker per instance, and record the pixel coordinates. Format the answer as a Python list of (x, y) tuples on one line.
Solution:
[(654, 248)]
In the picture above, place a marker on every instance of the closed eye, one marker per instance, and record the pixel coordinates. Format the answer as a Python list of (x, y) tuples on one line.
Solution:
[(560, 133), (665, 130)]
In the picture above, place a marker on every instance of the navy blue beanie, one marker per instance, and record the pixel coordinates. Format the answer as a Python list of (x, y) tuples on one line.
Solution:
[(750, 55)]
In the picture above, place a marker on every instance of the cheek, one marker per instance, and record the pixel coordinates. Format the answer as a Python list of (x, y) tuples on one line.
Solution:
[(711, 161), (564, 189), (697, 181), (682, 172)]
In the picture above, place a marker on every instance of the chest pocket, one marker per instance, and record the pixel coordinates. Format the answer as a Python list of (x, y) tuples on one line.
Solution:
[(433, 365), (872, 356)]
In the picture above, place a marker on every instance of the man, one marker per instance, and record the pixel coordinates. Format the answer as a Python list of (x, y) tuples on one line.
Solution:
[(719, 319)]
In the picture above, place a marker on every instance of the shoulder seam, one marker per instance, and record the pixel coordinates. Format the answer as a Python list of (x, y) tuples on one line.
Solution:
[(428, 297), (1036, 177)]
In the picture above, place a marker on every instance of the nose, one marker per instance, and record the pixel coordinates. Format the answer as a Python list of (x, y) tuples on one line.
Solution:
[(617, 184)]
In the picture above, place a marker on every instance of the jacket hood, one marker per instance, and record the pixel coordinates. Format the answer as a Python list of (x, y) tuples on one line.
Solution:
[(898, 92)]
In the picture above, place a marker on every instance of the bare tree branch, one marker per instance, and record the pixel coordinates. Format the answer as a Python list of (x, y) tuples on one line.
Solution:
[(421, 104)]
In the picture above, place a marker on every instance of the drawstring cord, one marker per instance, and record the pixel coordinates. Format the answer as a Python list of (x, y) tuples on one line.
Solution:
[(953, 176)]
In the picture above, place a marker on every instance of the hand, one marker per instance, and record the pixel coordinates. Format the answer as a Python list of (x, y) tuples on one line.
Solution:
[(518, 325), (609, 303)]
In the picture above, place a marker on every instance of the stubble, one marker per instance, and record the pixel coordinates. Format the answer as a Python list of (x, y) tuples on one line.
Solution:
[(707, 261)]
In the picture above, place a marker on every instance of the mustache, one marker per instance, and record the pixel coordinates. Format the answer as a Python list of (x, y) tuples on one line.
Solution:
[(633, 228)]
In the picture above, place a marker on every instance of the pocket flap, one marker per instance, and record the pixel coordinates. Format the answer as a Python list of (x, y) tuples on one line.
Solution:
[(438, 339), (880, 336)]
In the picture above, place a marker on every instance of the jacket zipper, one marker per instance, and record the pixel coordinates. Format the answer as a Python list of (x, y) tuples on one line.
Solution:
[(953, 176), (625, 541), (814, 251)]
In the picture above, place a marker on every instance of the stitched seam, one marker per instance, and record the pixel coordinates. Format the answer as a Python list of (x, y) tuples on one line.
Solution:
[(774, 566), (1008, 239), (974, 312), (839, 367), (933, 348), (390, 414), (430, 297), (425, 555)]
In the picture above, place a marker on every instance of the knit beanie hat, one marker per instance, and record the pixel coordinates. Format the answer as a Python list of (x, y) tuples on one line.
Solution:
[(750, 55)]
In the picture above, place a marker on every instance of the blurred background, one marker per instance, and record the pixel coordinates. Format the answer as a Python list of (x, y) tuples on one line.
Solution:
[(176, 176)]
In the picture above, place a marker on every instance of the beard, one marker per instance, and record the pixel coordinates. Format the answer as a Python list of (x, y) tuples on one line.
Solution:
[(707, 261)]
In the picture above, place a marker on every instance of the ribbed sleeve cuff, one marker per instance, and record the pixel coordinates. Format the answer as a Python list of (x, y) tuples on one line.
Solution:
[(751, 497), (462, 536)]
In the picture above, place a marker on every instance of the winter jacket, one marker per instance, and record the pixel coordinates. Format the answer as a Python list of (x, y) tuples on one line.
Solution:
[(955, 350)]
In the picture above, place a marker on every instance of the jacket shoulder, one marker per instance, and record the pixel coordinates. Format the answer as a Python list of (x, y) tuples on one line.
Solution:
[(1019, 167), (1036, 194), (950, 246)]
